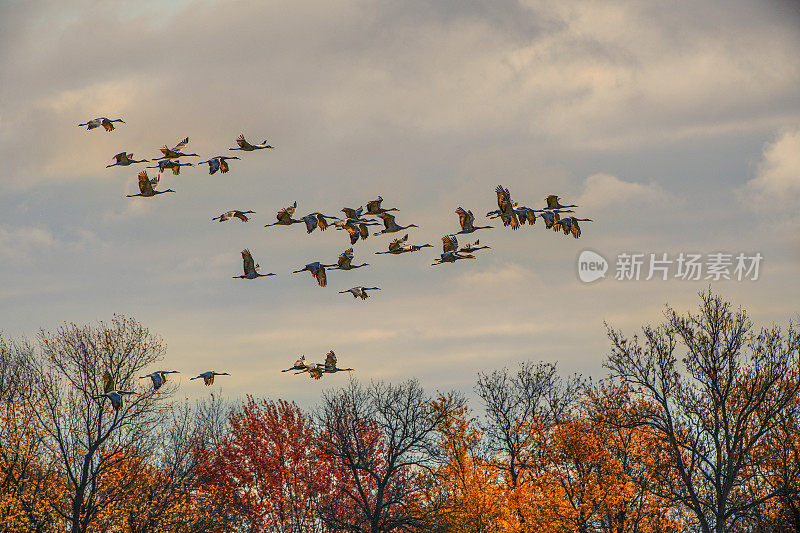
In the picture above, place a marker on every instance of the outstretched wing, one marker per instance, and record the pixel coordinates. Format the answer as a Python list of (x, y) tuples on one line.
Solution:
[(311, 223), (330, 359), (108, 382), (243, 143), (247, 261), (346, 257), (145, 185), (465, 218), (503, 199), (181, 145), (449, 243), (374, 205), (388, 220)]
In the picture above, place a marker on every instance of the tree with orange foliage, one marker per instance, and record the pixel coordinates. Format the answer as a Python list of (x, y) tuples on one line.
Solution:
[(27, 481), (519, 409), (712, 415), (84, 435), (462, 486), (597, 474)]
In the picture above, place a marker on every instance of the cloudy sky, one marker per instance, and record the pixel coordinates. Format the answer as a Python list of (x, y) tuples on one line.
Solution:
[(674, 126)]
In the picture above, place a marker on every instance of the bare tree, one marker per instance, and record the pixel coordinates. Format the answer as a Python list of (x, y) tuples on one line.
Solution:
[(516, 404), (380, 438), (713, 412), (86, 434)]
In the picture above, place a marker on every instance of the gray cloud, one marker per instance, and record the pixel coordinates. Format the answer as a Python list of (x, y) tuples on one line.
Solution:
[(646, 116)]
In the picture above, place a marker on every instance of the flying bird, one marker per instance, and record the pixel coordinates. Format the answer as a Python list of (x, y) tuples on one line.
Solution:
[(467, 219), (241, 215), (526, 214), (553, 203), (218, 163), (146, 186), (374, 207), (175, 166), (329, 366), (356, 228), (401, 246), (158, 377), (300, 364), (316, 220), (390, 226), (506, 208), (345, 261), (313, 370), (250, 269), (107, 124), (360, 292), (123, 159), (469, 248), (450, 250), (208, 377), (285, 217), (115, 396), (551, 217), (570, 225), (317, 271), (247, 147), (355, 214), (176, 151)]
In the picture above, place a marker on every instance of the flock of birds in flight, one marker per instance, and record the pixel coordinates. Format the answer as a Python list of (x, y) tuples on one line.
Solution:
[(356, 222)]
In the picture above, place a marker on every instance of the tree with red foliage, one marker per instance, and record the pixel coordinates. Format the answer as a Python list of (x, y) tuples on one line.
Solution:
[(269, 469)]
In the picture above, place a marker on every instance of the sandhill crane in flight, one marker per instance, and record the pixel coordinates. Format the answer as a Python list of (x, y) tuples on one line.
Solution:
[(552, 203), (450, 251), (175, 166), (115, 396), (329, 366), (241, 215), (360, 292), (107, 124), (218, 163), (356, 214), (146, 186), (317, 271), (345, 261), (159, 377), (313, 370), (123, 159), (390, 226), (551, 217), (526, 214), (247, 147), (506, 208), (570, 225), (401, 246), (285, 217), (250, 268), (316, 220), (300, 364), (356, 228), (469, 248), (467, 220), (208, 377), (176, 151), (374, 207)]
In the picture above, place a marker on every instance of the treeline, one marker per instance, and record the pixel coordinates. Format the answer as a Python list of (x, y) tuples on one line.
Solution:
[(695, 429)]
